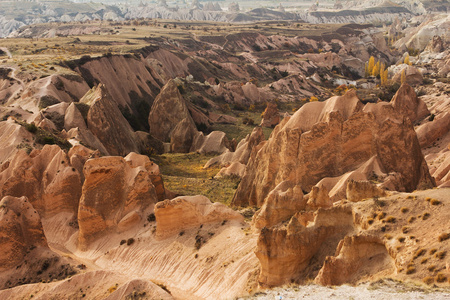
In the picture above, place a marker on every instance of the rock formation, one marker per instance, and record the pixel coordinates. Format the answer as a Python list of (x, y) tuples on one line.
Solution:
[(243, 150), (286, 252), (21, 230), (46, 178), (181, 213), (213, 143), (107, 122), (271, 116), (411, 74), (114, 198), (359, 190), (329, 139), (169, 108), (406, 102), (356, 257), (280, 205)]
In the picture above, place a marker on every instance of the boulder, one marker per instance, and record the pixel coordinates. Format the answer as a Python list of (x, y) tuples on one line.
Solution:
[(235, 169), (271, 116), (214, 143), (114, 192), (329, 139), (359, 190), (107, 123), (185, 212), (21, 229)]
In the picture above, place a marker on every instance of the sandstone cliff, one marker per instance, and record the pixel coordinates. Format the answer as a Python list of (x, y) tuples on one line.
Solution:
[(329, 139)]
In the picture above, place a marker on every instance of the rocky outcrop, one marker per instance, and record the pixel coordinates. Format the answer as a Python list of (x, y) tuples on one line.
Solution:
[(271, 116), (128, 192), (286, 252), (243, 150), (406, 102), (181, 213), (329, 139), (73, 118), (21, 230), (318, 197), (214, 143), (135, 160), (411, 74), (107, 123), (46, 178), (280, 205), (356, 257), (168, 109), (359, 190), (12, 137), (430, 131), (170, 121)]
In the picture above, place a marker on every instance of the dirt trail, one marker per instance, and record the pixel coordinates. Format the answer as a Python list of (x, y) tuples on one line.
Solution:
[(6, 51)]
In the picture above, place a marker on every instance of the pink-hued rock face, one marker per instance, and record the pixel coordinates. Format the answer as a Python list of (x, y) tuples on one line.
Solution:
[(108, 124), (329, 139), (271, 116), (115, 195), (20, 229), (46, 177)]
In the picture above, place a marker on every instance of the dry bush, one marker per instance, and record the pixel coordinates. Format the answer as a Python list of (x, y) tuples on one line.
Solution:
[(419, 252), (424, 260), (411, 270), (370, 221), (441, 254), (428, 280), (441, 277), (391, 219), (425, 216), (381, 215), (411, 219), (405, 229), (401, 239), (433, 251), (435, 202), (431, 268), (443, 237), (404, 209)]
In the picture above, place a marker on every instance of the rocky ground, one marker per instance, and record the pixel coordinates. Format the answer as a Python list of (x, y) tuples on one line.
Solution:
[(383, 290)]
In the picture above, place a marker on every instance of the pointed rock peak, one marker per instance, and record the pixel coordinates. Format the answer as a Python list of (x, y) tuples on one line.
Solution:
[(406, 102)]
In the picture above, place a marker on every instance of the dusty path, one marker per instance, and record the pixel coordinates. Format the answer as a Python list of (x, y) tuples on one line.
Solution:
[(6, 51)]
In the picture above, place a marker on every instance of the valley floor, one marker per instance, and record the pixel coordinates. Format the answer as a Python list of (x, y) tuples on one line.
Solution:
[(380, 290)]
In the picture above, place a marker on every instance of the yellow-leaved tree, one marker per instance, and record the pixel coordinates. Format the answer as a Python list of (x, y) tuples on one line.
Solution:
[(371, 64), (376, 69), (403, 77), (406, 61)]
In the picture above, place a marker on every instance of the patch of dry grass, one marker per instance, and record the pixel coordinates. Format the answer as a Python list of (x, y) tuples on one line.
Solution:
[(183, 174)]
